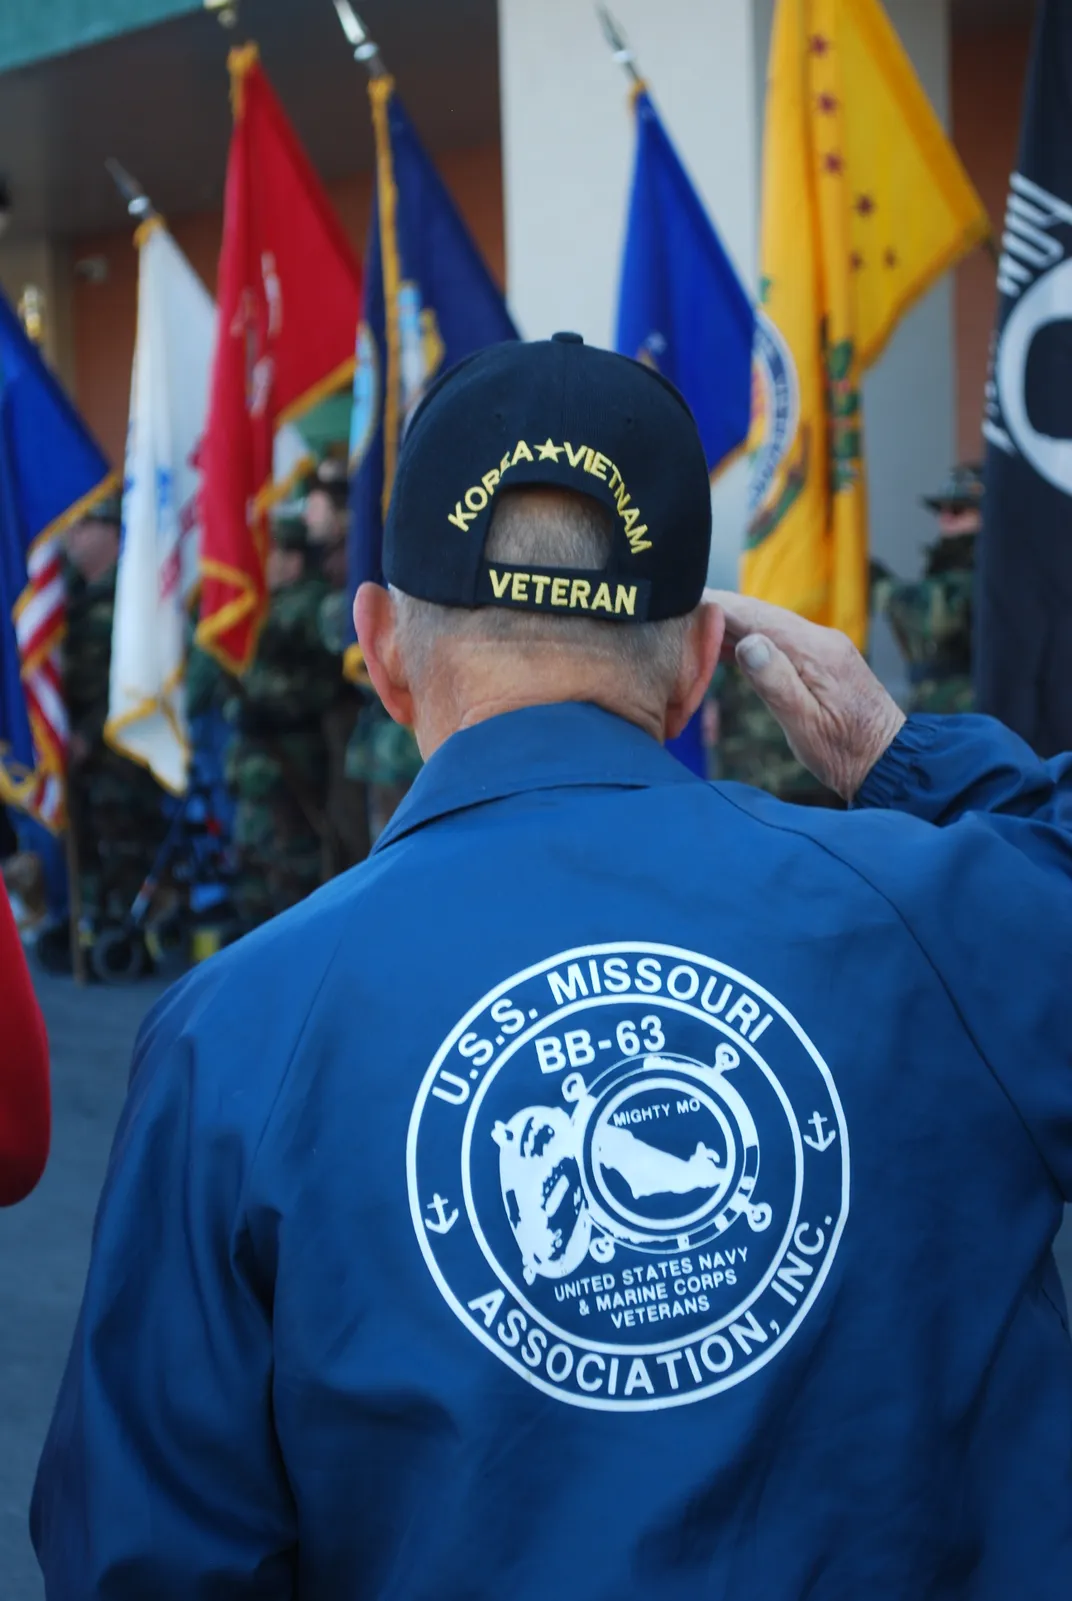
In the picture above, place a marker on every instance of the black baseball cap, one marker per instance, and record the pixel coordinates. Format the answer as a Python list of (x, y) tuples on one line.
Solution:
[(109, 510), (563, 413), (962, 490), (330, 477)]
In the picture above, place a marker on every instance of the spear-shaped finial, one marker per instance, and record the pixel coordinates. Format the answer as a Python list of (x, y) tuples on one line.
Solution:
[(364, 49), (138, 203), (225, 10), (615, 37)]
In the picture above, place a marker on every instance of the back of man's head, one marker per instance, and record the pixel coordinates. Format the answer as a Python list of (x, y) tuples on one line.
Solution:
[(546, 540), (565, 654)]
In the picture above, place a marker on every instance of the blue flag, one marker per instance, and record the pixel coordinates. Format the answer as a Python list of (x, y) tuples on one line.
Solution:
[(51, 474), (683, 310), (681, 306), (429, 301)]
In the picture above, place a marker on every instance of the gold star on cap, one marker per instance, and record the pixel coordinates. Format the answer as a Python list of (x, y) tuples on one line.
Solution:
[(548, 451)]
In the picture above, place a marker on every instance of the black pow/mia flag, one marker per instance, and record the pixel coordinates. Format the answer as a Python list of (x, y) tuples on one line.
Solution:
[(1023, 630)]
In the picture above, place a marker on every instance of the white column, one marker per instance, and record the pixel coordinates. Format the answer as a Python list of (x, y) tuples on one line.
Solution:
[(910, 397), (568, 138)]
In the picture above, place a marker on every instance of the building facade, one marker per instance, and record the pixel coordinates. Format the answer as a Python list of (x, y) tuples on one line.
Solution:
[(528, 117)]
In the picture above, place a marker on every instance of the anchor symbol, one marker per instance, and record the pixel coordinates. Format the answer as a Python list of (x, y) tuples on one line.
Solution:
[(819, 1141), (445, 1221)]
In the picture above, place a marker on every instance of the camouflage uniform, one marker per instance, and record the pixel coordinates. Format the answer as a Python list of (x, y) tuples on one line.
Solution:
[(380, 753), (346, 807), (932, 624), (277, 767), (116, 806), (752, 748), (208, 688)]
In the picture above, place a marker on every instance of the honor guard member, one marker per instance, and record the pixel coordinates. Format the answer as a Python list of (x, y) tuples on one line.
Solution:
[(346, 809), (372, 757), (278, 765), (116, 805), (619, 1186), (327, 505), (931, 617)]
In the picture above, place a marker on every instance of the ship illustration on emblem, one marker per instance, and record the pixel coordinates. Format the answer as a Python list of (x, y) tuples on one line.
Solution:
[(658, 1153)]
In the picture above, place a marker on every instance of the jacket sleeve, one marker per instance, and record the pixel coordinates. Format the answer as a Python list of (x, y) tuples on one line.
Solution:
[(161, 1475), (941, 769), (987, 897), (25, 1114)]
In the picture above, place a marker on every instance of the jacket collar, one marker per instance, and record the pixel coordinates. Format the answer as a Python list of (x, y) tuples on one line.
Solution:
[(567, 745)]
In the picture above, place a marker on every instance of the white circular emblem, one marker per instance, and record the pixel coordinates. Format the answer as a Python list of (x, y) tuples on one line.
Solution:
[(629, 1173), (1047, 302), (364, 416), (775, 409)]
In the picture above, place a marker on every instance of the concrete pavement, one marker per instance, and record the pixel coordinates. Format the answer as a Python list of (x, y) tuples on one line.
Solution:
[(44, 1243)]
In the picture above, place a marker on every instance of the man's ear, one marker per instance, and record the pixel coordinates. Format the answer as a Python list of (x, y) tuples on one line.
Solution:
[(374, 620), (698, 662)]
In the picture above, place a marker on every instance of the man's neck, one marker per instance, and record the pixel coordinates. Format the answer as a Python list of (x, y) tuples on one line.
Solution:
[(495, 706), (454, 704)]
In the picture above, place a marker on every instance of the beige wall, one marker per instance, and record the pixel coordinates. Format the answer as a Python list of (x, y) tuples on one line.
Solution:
[(104, 312), (988, 70), (46, 265)]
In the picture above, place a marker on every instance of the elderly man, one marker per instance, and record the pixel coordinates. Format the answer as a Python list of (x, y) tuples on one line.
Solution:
[(620, 1186)]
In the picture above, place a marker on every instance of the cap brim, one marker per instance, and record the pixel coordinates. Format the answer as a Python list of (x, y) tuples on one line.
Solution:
[(943, 503)]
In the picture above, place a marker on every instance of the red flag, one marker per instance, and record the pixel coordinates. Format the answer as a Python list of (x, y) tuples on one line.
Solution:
[(289, 300)]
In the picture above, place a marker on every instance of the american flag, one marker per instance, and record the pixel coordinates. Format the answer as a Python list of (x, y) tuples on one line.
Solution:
[(40, 618), (52, 473)]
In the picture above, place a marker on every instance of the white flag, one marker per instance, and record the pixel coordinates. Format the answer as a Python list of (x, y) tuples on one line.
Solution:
[(157, 573)]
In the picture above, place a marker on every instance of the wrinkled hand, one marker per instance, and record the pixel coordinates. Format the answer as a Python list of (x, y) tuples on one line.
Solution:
[(836, 715)]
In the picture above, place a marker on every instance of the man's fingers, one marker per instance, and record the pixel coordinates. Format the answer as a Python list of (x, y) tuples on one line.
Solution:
[(745, 615), (836, 715), (774, 678)]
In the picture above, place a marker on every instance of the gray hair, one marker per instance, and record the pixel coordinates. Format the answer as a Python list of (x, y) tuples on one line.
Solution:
[(548, 527)]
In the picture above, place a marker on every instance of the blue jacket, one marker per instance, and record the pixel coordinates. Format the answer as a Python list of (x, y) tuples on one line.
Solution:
[(620, 1188)]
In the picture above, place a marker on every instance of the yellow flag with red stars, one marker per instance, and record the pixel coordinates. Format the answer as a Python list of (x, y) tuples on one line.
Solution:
[(865, 204)]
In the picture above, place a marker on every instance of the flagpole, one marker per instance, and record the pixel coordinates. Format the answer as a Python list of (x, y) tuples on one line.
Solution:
[(621, 49), (74, 888), (381, 87), (357, 34), (142, 209), (137, 201)]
